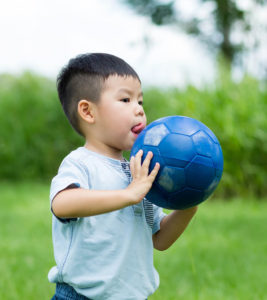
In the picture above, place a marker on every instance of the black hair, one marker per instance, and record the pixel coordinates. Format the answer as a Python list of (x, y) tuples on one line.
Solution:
[(83, 78)]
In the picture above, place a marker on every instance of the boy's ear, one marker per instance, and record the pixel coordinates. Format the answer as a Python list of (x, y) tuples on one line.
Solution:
[(86, 111)]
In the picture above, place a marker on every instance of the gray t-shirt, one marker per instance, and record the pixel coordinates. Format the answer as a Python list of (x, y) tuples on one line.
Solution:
[(108, 256)]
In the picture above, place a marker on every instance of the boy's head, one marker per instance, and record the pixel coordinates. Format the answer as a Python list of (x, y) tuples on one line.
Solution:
[(84, 78)]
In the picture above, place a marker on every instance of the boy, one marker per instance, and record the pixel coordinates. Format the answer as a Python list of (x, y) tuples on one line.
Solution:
[(104, 230)]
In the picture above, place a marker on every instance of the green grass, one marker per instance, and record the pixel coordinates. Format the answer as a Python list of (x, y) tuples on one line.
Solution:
[(25, 244), (222, 254)]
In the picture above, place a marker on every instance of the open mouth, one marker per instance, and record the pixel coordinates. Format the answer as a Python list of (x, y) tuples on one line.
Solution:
[(138, 128)]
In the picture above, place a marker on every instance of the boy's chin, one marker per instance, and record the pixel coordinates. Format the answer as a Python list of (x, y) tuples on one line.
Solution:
[(128, 147)]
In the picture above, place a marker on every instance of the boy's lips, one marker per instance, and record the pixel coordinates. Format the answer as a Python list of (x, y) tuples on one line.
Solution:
[(138, 128)]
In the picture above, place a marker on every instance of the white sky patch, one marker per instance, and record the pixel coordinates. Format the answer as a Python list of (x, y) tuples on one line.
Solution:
[(43, 35)]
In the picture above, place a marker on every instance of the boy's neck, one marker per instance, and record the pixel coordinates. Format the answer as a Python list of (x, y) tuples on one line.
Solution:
[(105, 150)]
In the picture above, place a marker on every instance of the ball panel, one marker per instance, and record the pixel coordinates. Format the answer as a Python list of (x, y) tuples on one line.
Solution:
[(175, 162), (218, 157), (186, 198), (199, 173), (146, 149), (211, 188), (211, 134), (177, 146), (171, 179), (154, 135), (182, 125), (156, 196), (203, 143)]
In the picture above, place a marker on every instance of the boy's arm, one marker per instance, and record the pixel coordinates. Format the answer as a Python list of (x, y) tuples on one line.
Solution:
[(171, 227), (78, 202)]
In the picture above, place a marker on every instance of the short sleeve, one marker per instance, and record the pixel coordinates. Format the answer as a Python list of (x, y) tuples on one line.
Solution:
[(158, 216), (70, 172)]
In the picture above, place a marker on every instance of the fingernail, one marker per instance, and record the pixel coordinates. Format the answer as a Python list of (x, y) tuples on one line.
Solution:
[(150, 153)]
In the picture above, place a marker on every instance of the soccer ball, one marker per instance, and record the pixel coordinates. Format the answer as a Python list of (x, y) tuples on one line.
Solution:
[(190, 157)]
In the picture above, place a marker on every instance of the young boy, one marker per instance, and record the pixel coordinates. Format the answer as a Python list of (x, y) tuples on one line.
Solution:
[(104, 230)]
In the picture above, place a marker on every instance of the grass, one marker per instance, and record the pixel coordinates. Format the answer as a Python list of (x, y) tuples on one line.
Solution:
[(222, 254)]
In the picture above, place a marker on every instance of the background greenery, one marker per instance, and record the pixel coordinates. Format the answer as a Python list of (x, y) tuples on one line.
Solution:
[(35, 134), (221, 255)]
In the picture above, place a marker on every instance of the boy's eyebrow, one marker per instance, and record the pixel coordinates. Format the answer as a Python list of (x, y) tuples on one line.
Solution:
[(129, 91)]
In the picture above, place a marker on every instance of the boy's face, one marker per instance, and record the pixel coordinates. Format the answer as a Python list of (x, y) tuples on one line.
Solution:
[(119, 114)]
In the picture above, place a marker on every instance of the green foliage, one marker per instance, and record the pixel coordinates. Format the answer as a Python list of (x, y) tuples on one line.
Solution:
[(35, 134), (221, 255)]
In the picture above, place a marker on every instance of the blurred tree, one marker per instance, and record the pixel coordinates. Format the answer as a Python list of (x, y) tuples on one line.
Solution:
[(221, 24)]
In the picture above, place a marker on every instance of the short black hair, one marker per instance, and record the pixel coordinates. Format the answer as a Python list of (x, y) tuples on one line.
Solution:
[(83, 78)]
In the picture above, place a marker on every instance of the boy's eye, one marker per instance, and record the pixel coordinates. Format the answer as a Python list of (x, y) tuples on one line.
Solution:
[(125, 100), (140, 102)]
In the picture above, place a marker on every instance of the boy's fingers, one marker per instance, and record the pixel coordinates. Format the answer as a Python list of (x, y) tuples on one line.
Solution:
[(154, 172), (147, 160), (137, 161), (132, 165)]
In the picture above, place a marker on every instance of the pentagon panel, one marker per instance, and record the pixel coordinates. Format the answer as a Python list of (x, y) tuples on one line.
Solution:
[(171, 179), (156, 196), (177, 147), (203, 143), (155, 134), (188, 197), (179, 163), (182, 125), (212, 135), (200, 173)]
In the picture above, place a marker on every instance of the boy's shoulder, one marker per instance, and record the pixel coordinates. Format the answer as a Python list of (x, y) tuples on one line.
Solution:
[(80, 156), (92, 169), (77, 155), (84, 157)]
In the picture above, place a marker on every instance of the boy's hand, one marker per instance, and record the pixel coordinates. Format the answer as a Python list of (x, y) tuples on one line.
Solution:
[(142, 180)]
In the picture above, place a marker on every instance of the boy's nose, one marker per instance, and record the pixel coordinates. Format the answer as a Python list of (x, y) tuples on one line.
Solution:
[(139, 110)]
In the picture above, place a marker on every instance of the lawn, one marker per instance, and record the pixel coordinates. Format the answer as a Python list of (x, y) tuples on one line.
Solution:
[(222, 254)]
